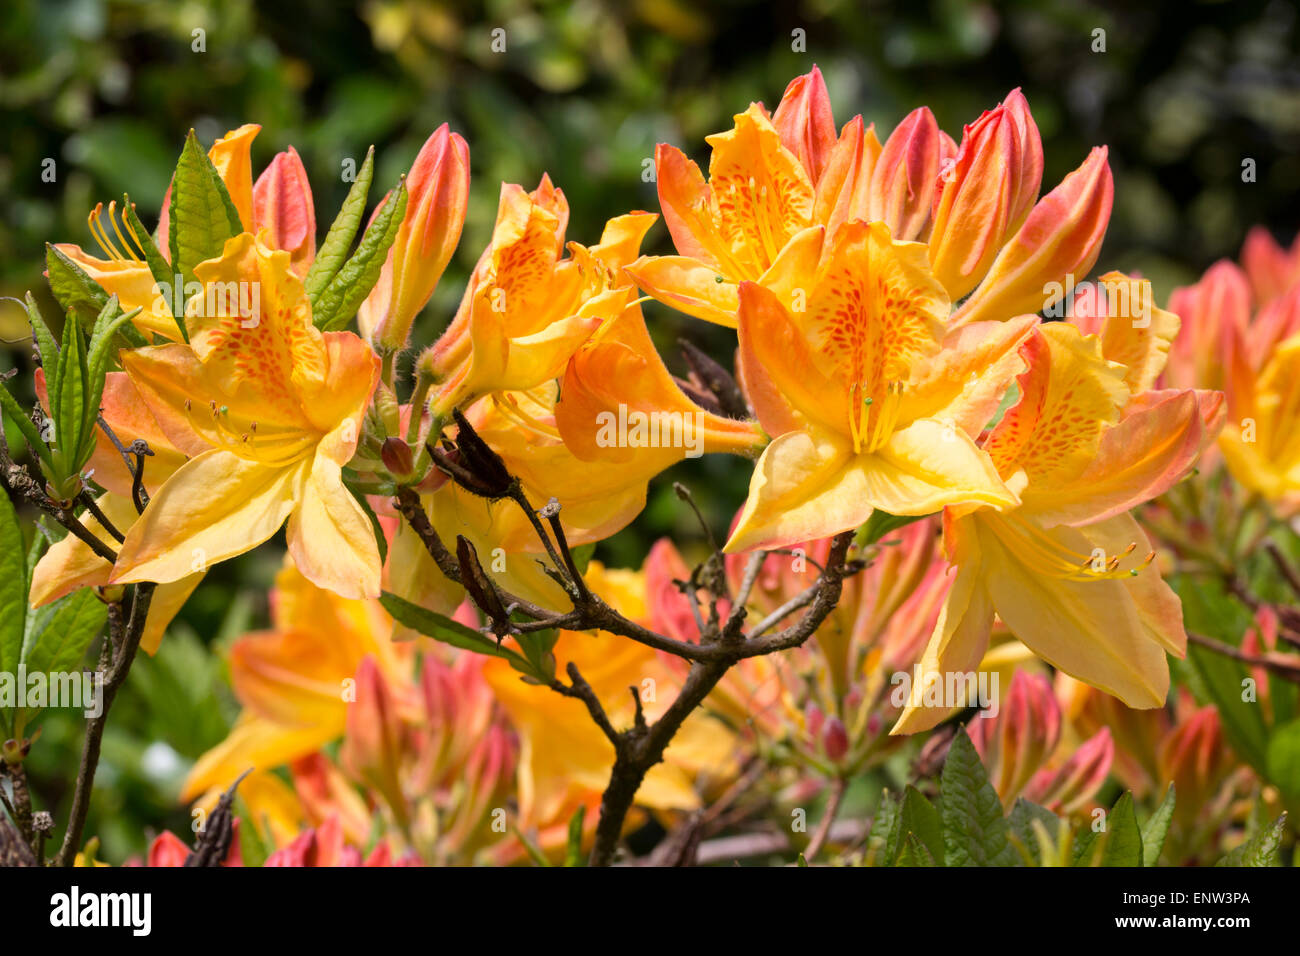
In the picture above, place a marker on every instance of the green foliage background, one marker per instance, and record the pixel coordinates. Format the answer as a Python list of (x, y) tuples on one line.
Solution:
[(1184, 92)]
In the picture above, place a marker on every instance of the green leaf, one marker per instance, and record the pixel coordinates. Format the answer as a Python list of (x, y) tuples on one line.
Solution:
[(1263, 849), (201, 216), (442, 628), (1123, 841), (62, 630), (920, 819), (253, 850), (573, 851), (882, 523), (158, 266), (1120, 844), (13, 593), (107, 324), (915, 853), (58, 637), (1020, 822), (882, 842), (45, 344), (1243, 723), (9, 405), (1157, 828), (68, 399), (346, 291), (74, 289), (338, 241), (531, 848), (1283, 759), (974, 830)]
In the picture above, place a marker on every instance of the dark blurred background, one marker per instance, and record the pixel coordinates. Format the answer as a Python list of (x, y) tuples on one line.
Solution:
[(1183, 94)]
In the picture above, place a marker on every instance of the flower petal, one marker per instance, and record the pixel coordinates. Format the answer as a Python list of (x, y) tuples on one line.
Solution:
[(217, 506)]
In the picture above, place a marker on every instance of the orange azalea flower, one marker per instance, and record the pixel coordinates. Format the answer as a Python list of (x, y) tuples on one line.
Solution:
[(526, 309), (867, 392), (280, 202), (292, 680), (1243, 336), (772, 178), (1088, 440), (271, 410)]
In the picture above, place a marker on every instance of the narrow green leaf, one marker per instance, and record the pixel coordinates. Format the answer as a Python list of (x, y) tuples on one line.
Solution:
[(573, 851), (253, 850), (68, 400), (97, 357), (201, 216), (338, 241), (1263, 849), (1157, 828), (974, 830), (15, 412), (13, 592), (443, 628), (531, 848), (45, 344), (341, 298)]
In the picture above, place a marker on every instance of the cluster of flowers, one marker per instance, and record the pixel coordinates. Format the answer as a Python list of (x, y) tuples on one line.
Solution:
[(892, 359)]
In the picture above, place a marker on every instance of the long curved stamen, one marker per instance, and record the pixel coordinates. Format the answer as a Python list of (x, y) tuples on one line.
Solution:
[(270, 445), (120, 251), (508, 405), (871, 422), (1059, 560)]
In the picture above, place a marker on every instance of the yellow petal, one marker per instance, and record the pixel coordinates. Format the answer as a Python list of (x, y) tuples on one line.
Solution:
[(1091, 629), (688, 285), (331, 538), (231, 156), (217, 506), (254, 743), (960, 638)]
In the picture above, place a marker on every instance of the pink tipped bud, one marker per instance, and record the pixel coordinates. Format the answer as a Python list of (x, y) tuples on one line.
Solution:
[(805, 122), (1016, 743), (372, 740), (282, 204), (835, 740), (437, 194), (903, 181)]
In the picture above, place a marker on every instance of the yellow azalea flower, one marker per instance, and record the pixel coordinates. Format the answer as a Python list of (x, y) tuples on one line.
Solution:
[(526, 309), (271, 409), (1261, 440), (70, 564), (867, 393), (291, 680), (280, 201), (565, 760), (1069, 570), (1241, 329), (976, 206)]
